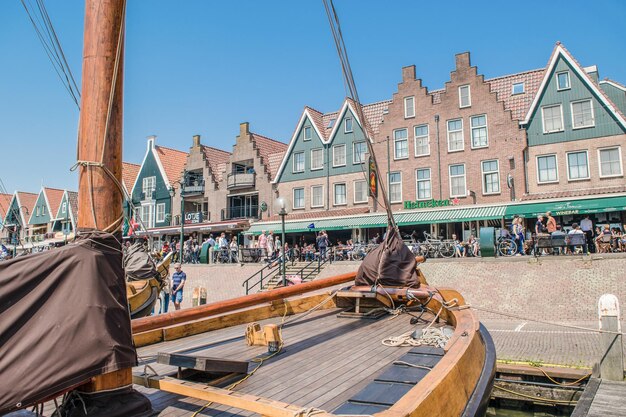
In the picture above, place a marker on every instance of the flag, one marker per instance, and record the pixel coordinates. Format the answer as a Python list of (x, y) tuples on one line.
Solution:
[(311, 226)]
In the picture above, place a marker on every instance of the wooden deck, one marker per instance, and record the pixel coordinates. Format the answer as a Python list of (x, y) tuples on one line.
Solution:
[(326, 360), (602, 399)]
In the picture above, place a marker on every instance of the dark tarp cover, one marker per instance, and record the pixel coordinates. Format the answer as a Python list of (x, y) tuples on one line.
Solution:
[(138, 264), (391, 264), (63, 319)]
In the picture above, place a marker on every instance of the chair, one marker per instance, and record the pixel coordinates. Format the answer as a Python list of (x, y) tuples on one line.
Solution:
[(577, 239), (604, 243)]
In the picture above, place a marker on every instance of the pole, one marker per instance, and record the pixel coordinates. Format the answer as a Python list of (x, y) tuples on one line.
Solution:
[(282, 242), (182, 218)]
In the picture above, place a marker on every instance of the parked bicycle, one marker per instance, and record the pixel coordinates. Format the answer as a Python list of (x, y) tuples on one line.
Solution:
[(505, 246)]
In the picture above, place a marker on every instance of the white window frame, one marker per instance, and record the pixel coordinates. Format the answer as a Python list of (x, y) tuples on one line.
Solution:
[(482, 176), (513, 93), (395, 157), (313, 187), (43, 210), (415, 137), (313, 168), (567, 154), (354, 153), (543, 119), (464, 180), (569, 81), (293, 163), (366, 193), (472, 131), (408, 115), (462, 135), (160, 213), (389, 186), (304, 136), (335, 194), (621, 163), (417, 182), (37, 211), (64, 207), (593, 114), (293, 195), (556, 164), (344, 156), (150, 214), (469, 96), (144, 187), (345, 125)]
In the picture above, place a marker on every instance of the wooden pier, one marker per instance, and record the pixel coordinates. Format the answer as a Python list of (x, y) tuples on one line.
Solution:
[(602, 398)]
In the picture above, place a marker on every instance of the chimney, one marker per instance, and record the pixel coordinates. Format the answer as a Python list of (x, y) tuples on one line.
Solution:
[(151, 139), (462, 60), (408, 73), (196, 141), (244, 128)]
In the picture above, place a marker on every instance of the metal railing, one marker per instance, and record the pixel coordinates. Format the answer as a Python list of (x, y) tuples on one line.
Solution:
[(266, 273), (241, 212), (240, 180)]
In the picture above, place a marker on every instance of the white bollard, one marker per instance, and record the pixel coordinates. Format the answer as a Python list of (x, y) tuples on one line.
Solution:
[(612, 360)]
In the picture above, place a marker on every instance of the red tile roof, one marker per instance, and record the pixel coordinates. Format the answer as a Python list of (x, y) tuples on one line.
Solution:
[(517, 103), (129, 174), (373, 113), (54, 196), (73, 197), (5, 201), (268, 150), (304, 215), (575, 193), (27, 200), (217, 160), (319, 121), (173, 162)]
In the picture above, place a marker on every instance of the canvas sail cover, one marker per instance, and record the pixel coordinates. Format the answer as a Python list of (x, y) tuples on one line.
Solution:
[(63, 319), (138, 264), (391, 264)]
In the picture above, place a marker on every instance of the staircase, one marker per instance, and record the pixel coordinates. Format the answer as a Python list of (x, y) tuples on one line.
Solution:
[(270, 277)]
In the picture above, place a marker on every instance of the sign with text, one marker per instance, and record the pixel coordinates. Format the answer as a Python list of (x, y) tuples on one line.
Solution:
[(193, 217), (432, 203)]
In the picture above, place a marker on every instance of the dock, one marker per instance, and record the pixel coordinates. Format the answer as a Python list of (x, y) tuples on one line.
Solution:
[(602, 398)]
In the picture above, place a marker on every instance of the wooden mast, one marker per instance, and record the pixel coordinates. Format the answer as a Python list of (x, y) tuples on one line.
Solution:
[(100, 133)]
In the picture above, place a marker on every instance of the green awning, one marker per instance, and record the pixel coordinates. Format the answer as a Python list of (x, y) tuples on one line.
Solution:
[(563, 208), (403, 218)]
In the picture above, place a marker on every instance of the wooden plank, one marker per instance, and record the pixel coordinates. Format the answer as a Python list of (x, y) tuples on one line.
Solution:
[(609, 401), (202, 363)]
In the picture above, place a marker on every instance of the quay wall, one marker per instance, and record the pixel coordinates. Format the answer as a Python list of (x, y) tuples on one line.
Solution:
[(548, 288)]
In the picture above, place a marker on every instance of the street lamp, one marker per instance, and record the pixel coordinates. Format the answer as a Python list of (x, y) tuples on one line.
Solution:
[(182, 215), (280, 205)]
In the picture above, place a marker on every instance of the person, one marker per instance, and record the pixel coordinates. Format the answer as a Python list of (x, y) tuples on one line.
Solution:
[(473, 245), (166, 248), (178, 283), (540, 227), (164, 295), (550, 223), (459, 250), (576, 230), (586, 225), (234, 251), (414, 236), (601, 240), (518, 235), (322, 244), (376, 239)]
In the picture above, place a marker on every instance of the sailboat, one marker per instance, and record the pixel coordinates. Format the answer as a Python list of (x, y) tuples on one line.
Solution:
[(377, 341)]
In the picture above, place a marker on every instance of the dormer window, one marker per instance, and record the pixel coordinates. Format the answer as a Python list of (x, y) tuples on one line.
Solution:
[(348, 126), (562, 79), (331, 123), (307, 133), (518, 88)]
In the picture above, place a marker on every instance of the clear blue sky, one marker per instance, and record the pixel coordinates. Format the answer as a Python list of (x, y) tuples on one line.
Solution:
[(202, 67)]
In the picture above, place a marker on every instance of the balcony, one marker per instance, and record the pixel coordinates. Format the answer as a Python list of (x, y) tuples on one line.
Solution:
[(241, 212), (195, 187), (240, 180)]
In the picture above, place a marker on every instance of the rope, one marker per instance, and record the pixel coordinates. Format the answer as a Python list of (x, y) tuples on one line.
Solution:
[(539, 399), (563, 383)]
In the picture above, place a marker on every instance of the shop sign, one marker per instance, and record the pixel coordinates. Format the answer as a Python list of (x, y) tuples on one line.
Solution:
[(193, 217), (373, 178), (408, 205)]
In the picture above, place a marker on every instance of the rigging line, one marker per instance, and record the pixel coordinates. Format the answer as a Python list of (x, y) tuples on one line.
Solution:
[(58, 44)]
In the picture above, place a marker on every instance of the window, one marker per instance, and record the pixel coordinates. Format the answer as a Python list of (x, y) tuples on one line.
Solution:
[(491, 177), (317, 159), (331, 123), (479, 131), (146, 215), (339, 155), (359, 149), (577, 166), (64, 208), (317, 196), (465, 98), (37, 211), (298, 162), (149, 185), (307, 133), (610, 162), (160, 212), (552, 119), (424, 186), (340, 194), (400, 144), (562, 79), (518, 88), (546, 169), (360, 191), (409, 107), (422, 141), (43, 210), (395, 187), (455, 135), (298, 198), (457, 180), (582, 114), (348, 125)]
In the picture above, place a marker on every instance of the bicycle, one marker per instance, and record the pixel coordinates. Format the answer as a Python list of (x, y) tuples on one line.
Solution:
[(505, 246)]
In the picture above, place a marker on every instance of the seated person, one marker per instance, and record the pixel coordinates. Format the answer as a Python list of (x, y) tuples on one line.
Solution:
[(577, 235), (472, 244), (603, 240), (459, 249)]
